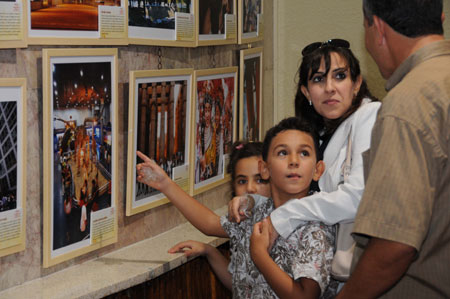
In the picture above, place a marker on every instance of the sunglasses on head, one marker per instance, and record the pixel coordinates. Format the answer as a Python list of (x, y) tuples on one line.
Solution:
[(338, 43)]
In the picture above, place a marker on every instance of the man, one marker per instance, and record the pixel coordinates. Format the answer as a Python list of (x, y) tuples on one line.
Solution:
[(404, 216)]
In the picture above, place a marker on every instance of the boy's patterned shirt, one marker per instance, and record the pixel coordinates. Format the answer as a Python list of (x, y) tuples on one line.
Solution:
[(307, 252)]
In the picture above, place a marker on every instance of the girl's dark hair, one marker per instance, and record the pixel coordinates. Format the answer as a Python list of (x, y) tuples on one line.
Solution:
[(310, 65), (241, 150)]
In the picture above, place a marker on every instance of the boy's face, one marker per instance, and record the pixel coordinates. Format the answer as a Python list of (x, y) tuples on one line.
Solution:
[(291, 165)]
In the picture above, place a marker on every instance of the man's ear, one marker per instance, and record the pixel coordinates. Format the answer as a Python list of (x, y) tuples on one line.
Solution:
[(263, 170), (380, 29), (320, 168)]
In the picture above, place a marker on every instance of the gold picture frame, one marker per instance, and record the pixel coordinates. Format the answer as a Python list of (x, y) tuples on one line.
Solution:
[(250, 22), (217, 23), (13, 32)]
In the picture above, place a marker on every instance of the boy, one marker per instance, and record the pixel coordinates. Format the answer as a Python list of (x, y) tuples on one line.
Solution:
[(297, 266)]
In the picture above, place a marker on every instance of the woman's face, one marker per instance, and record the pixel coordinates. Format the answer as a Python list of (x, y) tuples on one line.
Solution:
[(332, 94)]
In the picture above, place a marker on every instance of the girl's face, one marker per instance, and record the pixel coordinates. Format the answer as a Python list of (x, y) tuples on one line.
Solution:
[(248, 179), (332, 94)]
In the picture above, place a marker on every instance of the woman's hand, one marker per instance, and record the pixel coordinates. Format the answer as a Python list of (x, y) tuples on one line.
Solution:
[(240, 208), (151, 174), (190, 248)]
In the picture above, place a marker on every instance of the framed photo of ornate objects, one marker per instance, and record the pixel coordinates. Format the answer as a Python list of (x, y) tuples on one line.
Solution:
[(250, 94), (214, 126), (162, 22), (159, 125), (80, 151), (250, 24), (217, 22), (77, 22), (13, 162)]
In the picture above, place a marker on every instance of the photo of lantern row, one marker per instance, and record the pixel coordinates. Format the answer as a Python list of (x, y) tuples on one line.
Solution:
[(8, 155), (251, 10), (161, 126), (214, 126), (156, 13), (252, 99), (212, 15), (82, 142), (67, 15)]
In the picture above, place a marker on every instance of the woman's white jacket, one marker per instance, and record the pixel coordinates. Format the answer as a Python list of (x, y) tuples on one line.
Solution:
[(336, 202)]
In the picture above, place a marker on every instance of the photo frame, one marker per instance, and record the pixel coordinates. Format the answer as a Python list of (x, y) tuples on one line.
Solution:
[(250, 94), (13, 28), (80, 151), (217, 22), (160, 127), (77, 23), (214, 126), (250, 23), (163, 22), (13, 162)]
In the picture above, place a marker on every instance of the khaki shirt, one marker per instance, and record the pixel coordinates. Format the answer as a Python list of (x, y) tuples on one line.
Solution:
[(407, 171)]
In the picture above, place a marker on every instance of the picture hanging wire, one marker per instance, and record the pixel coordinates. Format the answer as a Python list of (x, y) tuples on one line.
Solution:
[(212, 53), (159, 58)]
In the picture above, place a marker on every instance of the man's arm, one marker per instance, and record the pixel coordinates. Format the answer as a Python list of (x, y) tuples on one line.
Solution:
[(382, 264)]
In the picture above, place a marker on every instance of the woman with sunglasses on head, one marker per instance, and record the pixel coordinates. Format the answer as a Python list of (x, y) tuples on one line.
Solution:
[(334, 97)]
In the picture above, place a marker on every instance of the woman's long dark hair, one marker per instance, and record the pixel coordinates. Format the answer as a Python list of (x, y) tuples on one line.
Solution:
[(310, 65)]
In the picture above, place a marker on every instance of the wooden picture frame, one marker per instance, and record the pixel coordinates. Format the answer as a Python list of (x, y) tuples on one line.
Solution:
[(159, 125), (217, 23), (250, 94), (163, 23), (51, 23), (214, 122), (80, 127), (13, 162), (250, 21), (13, 32)]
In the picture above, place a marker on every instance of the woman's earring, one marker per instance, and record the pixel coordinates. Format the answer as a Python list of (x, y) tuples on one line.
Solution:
[(310, 103)]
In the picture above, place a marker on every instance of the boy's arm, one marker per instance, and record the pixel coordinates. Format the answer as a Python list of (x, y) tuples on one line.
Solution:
[(197, 214), (282, 284), (216, 260)]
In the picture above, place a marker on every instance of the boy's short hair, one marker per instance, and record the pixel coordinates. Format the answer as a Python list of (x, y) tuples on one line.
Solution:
[(291, 123)]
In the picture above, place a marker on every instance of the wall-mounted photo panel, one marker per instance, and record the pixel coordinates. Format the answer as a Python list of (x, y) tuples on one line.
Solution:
[(214, 126), (160, 127), (162, 22), (13, 29), (88, 22), (13, 161), (80, 151), (217, 20), (250, 23), (250, 94)]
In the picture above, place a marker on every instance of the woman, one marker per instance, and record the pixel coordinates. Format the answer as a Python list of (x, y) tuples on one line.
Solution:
[(333, 96)]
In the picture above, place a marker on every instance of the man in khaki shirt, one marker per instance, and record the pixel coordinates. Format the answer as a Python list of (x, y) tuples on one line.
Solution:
[(403, 221)]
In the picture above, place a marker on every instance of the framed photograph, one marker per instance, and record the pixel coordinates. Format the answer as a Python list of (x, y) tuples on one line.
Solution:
[(217, 22), (250, 94), (162, 22), (77, 22), (80, 151), (13, 29), (159, 127), (13, 162), (250, 24), (214, 126)]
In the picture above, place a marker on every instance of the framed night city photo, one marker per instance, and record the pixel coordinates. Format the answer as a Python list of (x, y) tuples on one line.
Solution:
[(80, 151), (13, 29), (13, 161), (162, 22), (77, 22), (250, 23), (217, 22), (250, 94), (214, 126), (160, 127)]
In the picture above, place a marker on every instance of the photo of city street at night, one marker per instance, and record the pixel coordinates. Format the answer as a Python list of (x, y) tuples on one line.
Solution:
[(82, 147), (67, 14), (8, 155), (156, 14)]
